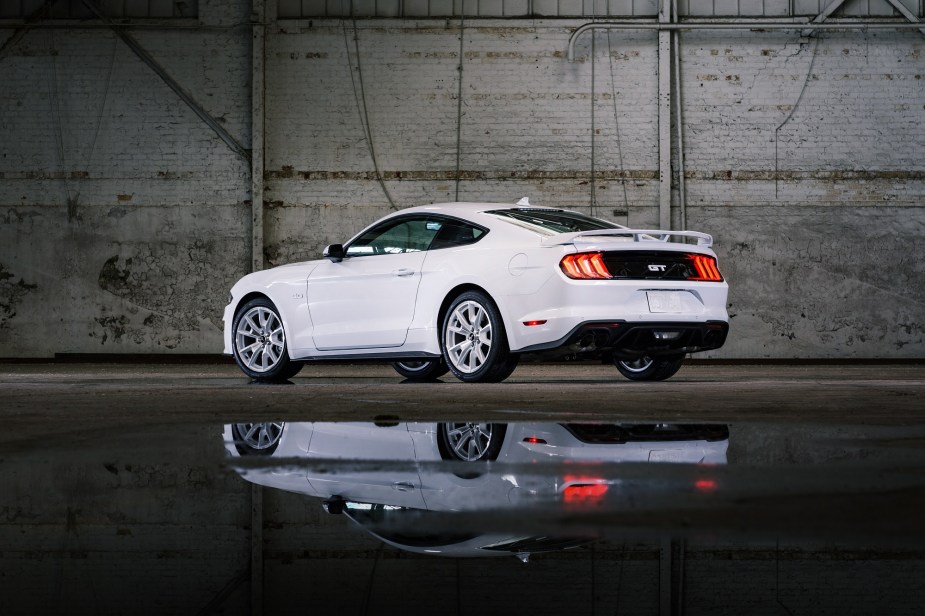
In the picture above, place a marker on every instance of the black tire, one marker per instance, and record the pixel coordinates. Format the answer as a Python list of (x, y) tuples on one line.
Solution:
[(258, 343), (649, 369), (257, 438), (487, 358), (427, 370), (470, 441)]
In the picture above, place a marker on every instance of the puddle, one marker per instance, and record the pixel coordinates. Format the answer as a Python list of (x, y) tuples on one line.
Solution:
[(289, 517)]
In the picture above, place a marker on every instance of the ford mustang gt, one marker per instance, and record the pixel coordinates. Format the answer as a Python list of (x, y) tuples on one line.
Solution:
[(470, 288)]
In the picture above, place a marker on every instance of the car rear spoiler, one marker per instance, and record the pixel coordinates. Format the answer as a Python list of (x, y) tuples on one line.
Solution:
[(637, 235)]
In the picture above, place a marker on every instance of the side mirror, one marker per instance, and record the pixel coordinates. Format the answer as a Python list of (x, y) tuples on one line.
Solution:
[(334, 252)]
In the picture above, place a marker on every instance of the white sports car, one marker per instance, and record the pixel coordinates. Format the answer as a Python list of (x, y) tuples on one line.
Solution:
[(471, 287)]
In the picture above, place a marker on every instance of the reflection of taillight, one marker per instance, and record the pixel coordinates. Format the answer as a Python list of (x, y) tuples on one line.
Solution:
[(584, 493), (706, 269), (583, 490), (705, 485), (585, 266)]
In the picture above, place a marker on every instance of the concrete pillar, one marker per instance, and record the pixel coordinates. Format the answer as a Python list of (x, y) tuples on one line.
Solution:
[(258, 65)]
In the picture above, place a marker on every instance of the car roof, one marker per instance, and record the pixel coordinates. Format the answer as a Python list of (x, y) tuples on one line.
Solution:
[(473, 211)]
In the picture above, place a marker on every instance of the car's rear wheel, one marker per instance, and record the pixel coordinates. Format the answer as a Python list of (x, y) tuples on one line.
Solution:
[(473, 340), (647, 368), (259, 342), (470, 441), (257, 439), (427, 370)]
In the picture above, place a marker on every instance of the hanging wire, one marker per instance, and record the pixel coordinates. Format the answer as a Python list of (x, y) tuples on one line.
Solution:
[(370, 581), (616, 120), (593, 159), (54, 97), (99, 116), (360, 97), (777, 579), (54, 94), (793, 110)]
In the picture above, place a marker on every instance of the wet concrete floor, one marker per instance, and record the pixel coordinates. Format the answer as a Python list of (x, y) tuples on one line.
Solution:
[(775, 489)]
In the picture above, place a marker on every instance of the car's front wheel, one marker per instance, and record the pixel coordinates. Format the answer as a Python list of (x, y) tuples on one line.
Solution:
[(258, 342), (649, 369), (258, 438), (427, 370), (474, 344)]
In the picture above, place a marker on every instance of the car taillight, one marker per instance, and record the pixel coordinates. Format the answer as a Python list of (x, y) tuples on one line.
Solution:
[(706, 269), (585, 266)]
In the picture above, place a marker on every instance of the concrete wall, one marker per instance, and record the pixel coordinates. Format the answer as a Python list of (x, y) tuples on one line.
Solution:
[(816, 207)]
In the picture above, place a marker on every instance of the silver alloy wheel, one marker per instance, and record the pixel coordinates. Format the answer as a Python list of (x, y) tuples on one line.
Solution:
[(467, 338), (469, 441), (260, 340), (640, 364), (259, 436)]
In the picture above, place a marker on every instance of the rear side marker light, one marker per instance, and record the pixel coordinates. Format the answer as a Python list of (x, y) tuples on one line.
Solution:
[(533, 440), (585, 266), (532, 323), (706, 269)]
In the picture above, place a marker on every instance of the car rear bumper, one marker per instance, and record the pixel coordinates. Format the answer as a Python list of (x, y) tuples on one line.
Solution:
[(627, 340)]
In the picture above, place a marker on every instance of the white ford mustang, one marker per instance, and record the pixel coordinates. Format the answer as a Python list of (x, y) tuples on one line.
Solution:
[(471, 287)]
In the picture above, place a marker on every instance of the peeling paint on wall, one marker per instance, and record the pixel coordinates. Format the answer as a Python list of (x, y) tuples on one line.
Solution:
[(174, 284), (12, 292)]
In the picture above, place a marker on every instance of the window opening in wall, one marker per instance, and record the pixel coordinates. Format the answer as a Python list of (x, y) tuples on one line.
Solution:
[(120, 9), (494, 9)]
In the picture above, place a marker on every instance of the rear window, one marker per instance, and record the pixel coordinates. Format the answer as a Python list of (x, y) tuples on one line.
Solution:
[(555, 221)]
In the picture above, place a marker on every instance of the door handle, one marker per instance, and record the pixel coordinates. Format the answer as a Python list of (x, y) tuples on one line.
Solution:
[(403, 272), (403, 486)]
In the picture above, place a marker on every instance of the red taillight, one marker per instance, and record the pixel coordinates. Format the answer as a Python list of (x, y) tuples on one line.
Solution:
[(585, 266), (706, 269)]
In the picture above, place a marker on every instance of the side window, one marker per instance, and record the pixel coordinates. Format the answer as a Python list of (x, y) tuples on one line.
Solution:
[(394, 237), (456, 233)]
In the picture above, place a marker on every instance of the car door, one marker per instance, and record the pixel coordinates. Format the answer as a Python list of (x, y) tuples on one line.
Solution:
[(392, 480), (367, 300)]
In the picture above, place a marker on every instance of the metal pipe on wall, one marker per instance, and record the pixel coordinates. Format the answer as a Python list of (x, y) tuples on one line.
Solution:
[(664, 118), (733, 25)]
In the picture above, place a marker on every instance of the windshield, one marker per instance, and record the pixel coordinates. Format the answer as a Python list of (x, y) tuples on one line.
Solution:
[(555, 221)]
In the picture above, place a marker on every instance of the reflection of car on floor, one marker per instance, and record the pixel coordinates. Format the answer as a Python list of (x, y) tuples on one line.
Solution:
[(390, 474), (471, 287)]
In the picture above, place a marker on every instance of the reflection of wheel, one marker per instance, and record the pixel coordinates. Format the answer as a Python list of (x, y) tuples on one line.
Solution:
[(470, 442), (257, 439), (259, 342), (421, 370), (649, 369), (474, 345)]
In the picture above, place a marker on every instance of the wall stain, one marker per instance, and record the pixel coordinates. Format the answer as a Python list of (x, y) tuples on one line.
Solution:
[(11, 294), (172, 288)]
